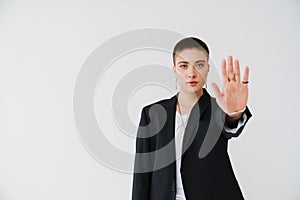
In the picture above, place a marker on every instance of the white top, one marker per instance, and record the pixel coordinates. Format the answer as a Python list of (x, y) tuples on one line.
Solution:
[(179, 133)]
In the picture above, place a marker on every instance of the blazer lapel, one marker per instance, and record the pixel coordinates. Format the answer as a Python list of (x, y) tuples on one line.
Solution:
[(193, 121), (168, 138)]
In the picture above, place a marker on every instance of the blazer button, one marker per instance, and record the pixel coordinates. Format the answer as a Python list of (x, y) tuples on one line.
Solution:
[(173, 188)]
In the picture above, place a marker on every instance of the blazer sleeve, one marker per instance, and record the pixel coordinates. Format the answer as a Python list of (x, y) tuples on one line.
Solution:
[(141, 180), (229, 134)]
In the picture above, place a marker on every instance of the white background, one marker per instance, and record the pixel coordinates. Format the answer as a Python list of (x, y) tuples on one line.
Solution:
[(43, 45)]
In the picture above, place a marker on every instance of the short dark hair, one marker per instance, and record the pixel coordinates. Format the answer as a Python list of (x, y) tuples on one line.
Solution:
[(189, 43)]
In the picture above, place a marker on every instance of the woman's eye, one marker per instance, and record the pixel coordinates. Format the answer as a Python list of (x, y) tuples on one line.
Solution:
[(199, 65), (183, 66)]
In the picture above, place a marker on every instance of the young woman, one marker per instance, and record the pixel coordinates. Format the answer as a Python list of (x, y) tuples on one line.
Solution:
[(181, 145)]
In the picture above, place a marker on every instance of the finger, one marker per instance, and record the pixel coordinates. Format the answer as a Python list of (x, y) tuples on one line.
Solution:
[(224, 73), (231, 76), (230, 66), (246, 75), (237, 71), (216, 89)]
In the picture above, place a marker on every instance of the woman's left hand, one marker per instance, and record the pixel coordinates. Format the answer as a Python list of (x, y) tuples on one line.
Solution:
[(235, 95)]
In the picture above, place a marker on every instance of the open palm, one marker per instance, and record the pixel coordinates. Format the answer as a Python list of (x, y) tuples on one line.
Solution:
[(235, 94)]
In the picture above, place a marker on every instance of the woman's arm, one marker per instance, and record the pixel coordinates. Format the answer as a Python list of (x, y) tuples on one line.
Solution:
[(141, 180), (233, 128)]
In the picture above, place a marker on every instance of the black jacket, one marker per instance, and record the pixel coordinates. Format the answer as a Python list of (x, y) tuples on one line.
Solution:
[(205, 165)]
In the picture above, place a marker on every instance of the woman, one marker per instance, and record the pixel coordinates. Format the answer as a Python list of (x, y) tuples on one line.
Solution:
[(181, 146)]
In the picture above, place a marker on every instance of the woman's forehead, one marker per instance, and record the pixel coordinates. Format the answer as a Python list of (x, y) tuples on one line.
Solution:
[(190, 55)]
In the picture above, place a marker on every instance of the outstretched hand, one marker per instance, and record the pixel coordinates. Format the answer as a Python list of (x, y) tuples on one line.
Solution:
[(235, 94)]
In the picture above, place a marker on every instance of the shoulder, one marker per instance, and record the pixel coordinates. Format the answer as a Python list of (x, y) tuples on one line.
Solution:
[(166, 102), (156, 109), (171, 101)]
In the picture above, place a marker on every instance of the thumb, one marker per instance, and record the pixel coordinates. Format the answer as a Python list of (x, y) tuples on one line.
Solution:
[(216, 89)]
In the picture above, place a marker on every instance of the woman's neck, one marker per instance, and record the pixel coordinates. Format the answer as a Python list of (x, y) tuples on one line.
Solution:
[(187, 100)]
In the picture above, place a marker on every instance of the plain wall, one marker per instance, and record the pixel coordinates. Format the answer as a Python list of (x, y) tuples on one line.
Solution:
[(43, 45)]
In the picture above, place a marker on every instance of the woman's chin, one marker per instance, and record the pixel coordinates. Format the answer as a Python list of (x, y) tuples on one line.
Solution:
[(194, 90)]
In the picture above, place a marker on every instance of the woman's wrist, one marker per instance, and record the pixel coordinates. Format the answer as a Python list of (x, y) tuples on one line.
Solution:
[(236, 112), (233, 116)]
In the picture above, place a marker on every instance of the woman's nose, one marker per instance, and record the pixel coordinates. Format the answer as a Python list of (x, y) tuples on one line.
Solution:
[(192, 72)]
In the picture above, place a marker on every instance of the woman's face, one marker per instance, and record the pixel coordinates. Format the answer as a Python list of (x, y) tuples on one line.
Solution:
[(191, 69)]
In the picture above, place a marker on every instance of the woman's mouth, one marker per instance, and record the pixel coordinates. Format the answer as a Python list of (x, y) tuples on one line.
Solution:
[(192, 83)]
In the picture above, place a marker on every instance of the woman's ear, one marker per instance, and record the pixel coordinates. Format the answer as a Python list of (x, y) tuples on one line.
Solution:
[(174, 69), (208, 66)]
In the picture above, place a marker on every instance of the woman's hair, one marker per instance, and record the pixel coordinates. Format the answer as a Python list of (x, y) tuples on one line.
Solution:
[(189, 43)]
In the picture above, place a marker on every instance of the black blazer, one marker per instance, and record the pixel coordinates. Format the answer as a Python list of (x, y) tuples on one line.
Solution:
[(205, 165)]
